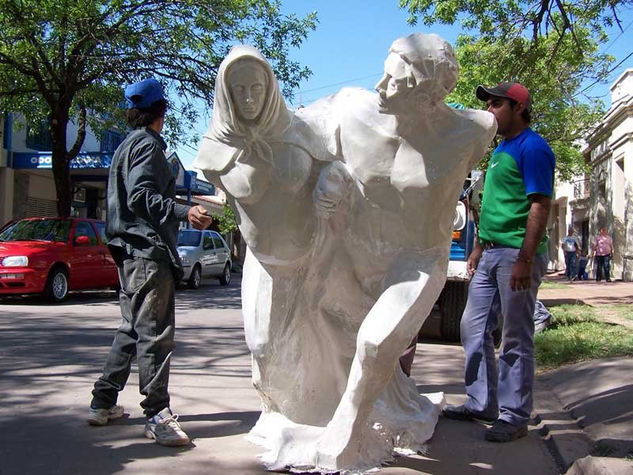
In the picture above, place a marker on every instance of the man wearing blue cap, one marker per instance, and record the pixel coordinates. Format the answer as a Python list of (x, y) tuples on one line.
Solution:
[(507, 264), (142, 229)]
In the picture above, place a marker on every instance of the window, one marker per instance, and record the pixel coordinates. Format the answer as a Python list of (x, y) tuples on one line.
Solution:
[(188, 237), (110, 141), (217, 241), (207, 241), (39, 137), (102, 233), (83, 228), (55, 230)]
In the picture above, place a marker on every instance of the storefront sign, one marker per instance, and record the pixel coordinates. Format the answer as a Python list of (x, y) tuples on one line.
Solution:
[(33, 160)]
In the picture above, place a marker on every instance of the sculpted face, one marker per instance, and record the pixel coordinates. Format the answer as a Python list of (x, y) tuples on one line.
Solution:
[(394, 88), (247, 85)]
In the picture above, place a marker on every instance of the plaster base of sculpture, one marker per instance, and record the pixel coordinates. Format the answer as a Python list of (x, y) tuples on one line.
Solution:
[(296, 447)]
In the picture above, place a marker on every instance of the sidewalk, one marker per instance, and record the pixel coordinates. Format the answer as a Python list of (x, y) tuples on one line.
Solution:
[(593, 433), (50, 356)]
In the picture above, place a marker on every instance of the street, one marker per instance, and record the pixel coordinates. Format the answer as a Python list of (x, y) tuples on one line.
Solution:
[(51, 355)]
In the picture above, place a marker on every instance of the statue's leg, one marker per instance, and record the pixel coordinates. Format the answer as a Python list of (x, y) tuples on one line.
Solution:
[(411, 288), (256, 307), (271, 300)]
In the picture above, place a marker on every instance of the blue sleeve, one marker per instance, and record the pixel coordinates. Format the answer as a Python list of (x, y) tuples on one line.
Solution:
[(537, 167)]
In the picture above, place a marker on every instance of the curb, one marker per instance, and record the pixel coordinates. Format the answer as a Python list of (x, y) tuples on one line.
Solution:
[(561, 432)]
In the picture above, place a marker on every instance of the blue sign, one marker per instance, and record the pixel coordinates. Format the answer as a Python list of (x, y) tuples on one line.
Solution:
[(186, 180), (44, 160)]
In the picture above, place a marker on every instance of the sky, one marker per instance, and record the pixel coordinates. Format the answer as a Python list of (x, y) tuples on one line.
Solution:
[(350, 44)]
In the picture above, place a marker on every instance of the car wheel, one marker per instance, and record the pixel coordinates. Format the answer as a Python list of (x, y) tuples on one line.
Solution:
[(196, 277), (57, 285), (225, 278), (452, 304)]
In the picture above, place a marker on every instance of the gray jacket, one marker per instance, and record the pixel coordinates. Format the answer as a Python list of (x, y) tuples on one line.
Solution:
[(142, 215)]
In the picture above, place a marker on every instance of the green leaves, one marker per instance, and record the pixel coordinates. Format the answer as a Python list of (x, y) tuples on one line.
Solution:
[(226, 221), (551, 47), (60, 57), (61, 50)]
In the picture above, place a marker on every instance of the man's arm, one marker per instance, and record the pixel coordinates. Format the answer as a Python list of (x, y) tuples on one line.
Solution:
[(147, 177), (474, 257), (535, 229)]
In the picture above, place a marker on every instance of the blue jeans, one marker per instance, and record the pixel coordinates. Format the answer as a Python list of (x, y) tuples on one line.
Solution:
[(504, 392), (146, 332), (603, 262), (570, 264)]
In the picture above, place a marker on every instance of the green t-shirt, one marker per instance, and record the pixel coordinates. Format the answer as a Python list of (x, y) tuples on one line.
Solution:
[(519, 167)]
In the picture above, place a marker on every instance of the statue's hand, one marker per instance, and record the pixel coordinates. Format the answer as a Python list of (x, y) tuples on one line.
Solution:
[(332, 186)]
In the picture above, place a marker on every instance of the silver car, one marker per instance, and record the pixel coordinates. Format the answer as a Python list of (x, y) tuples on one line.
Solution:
[(204, 254)]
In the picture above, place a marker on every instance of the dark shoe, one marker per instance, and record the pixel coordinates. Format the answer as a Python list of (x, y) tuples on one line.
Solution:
[(503, 431), (460, 413)]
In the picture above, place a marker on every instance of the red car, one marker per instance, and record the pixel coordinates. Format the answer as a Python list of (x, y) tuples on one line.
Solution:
[(51, 256)]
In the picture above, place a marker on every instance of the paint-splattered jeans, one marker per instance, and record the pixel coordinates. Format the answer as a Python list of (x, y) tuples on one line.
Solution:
[(146, 332)]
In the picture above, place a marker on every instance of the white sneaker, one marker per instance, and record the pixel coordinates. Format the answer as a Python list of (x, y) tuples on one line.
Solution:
[(165, 429), (100, 417)]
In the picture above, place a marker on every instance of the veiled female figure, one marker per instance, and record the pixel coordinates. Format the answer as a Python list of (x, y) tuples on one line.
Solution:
[(268, 161)]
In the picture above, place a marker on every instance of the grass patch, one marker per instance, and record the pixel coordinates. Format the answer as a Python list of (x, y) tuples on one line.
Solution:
[(576, 334), (623, 310), (553, 285)]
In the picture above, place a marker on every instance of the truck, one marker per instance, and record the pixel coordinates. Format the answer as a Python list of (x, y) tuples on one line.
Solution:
[(445, 318)]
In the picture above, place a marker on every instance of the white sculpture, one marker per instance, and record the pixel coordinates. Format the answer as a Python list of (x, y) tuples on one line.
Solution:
[(347, 208)]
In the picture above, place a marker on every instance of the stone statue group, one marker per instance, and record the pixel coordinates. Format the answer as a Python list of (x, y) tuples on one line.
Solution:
[(347, 208)]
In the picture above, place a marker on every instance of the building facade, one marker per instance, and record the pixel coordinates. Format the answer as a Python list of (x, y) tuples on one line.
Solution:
[(27, 187), (604, 197)]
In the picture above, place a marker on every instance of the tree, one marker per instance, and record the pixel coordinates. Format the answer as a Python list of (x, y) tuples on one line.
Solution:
[(66, 60), (551, 47), (226, 221)]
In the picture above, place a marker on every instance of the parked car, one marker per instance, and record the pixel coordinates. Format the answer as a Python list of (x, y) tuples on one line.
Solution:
[(204, 254), (52, 256)]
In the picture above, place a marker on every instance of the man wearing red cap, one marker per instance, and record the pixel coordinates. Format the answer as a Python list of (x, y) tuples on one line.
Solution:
[(507, 265)]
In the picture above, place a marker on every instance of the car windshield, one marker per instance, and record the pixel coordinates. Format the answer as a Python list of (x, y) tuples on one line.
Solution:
[(189, 238), (55, 230)]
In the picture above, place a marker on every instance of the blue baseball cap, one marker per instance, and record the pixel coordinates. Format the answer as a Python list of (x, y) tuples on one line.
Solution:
[(143, 94)]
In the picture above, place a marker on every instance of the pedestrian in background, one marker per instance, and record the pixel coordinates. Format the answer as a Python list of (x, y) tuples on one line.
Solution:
[(508, 262), (603, 248), (583, 260), (571, 247), (142, 230)]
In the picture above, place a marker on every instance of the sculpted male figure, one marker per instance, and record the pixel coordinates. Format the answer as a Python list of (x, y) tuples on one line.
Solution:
[(408, 154)]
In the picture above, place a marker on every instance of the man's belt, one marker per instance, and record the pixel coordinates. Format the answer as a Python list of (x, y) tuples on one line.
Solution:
[(490, 245)]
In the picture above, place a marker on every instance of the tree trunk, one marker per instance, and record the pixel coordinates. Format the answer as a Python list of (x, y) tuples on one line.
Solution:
[(61, 164)]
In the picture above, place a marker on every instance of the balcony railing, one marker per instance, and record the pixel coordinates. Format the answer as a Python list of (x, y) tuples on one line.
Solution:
[(581, 189)]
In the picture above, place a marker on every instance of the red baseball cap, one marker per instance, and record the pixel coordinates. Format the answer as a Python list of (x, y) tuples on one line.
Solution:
[(511, 90)]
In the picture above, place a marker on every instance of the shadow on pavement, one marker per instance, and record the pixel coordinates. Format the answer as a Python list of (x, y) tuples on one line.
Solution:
[(211, 295), (87, 297)]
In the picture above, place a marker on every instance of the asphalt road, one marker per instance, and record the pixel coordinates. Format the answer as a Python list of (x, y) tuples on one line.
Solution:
[(50, 356)]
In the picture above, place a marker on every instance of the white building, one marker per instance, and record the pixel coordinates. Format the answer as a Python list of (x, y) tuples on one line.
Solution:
[(603, 198)]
